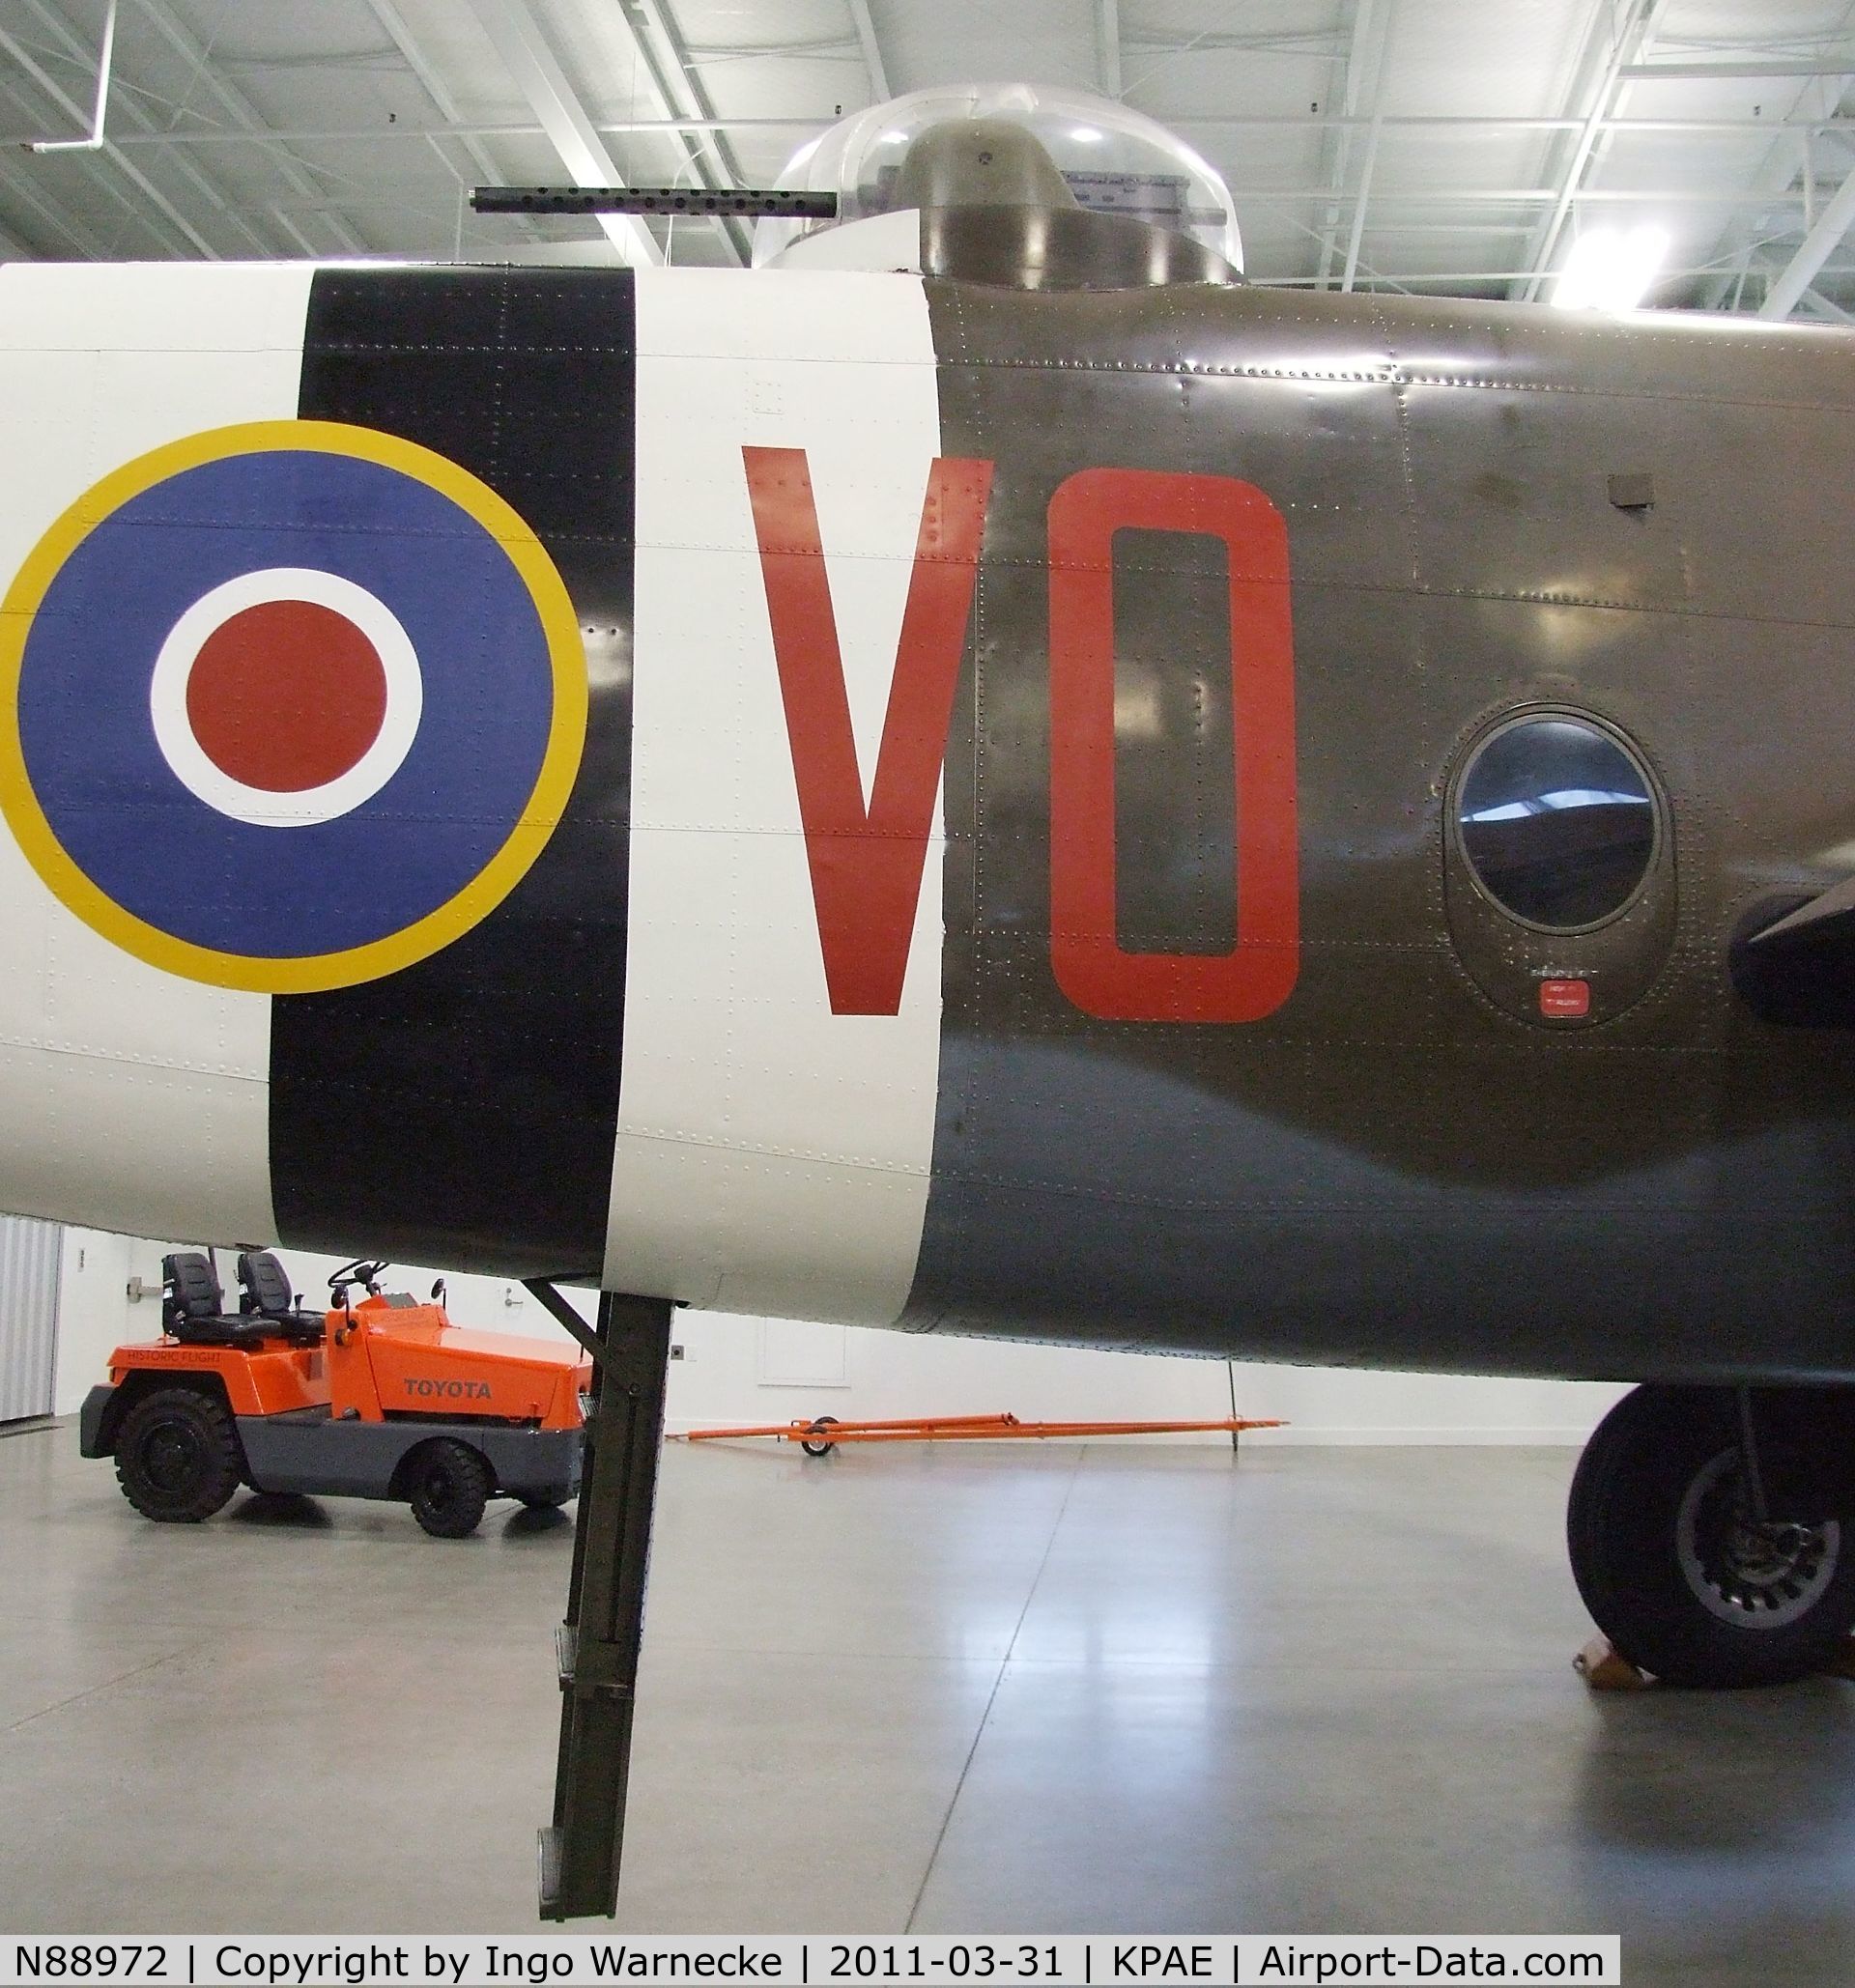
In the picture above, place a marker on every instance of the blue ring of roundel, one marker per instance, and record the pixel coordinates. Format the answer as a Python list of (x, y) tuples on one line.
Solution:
[(165, 856)]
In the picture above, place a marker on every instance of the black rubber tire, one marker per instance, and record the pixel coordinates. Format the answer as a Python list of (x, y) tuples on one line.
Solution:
[(447, 1484), (1624, 1530), (178, 1456), (823, 1446)]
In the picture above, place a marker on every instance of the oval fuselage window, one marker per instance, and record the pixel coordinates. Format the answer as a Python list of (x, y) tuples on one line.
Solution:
[(1557, 822)]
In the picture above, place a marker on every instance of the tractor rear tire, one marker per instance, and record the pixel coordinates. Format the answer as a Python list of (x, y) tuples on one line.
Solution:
[(449, 1485), (178, 1456)]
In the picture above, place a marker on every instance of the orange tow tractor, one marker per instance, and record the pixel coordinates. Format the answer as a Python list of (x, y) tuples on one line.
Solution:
[(383, 1398)]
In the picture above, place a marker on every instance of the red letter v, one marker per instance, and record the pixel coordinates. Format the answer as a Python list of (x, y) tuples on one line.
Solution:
[(866, 864)]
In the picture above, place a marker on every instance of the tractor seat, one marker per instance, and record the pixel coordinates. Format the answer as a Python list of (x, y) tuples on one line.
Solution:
[(193, 1306), (265, 1293)]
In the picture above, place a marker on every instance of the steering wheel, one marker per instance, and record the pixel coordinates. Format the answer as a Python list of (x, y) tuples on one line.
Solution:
[(362, 1270)]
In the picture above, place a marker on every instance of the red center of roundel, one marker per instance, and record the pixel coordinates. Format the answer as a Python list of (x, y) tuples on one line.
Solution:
[(286, 695)]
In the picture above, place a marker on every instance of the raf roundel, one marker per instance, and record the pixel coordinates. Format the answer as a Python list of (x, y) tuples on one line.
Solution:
[(286, 695), (288, 706)]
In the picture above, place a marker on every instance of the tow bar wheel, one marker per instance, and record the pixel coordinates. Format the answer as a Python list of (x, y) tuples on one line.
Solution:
[(177, 1455), (1679, 1564), (819, 1443)]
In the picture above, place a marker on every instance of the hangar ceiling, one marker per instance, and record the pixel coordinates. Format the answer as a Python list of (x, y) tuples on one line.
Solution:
[(1438, 145)]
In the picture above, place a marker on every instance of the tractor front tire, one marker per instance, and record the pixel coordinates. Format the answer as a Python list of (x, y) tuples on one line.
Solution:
[(178, 1457), (449, 1484)]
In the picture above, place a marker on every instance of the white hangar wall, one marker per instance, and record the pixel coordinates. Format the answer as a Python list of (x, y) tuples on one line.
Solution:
[(771, 1369)]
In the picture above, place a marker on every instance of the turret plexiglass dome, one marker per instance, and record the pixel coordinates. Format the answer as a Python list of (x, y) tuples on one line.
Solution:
[(1112, 160)]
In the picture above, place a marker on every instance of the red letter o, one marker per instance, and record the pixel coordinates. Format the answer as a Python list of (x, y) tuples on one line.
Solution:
[(1258, 974)]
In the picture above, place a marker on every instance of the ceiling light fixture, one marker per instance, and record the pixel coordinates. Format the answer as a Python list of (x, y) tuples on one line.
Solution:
[(1610, 268)]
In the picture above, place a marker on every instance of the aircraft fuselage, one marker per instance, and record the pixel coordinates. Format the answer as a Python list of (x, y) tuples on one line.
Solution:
[(997, 867)]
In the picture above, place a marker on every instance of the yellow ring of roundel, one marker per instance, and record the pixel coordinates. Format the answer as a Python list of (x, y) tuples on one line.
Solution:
[(313, 972)]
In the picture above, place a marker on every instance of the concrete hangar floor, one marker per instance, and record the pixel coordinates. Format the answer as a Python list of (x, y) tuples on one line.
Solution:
[(1062, 1689)]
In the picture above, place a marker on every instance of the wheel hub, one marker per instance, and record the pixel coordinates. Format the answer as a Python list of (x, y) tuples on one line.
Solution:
[(1752, 1574), (171, 1457)]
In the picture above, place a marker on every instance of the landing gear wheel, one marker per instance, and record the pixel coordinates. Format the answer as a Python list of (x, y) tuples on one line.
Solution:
[(818, 1444), (1671, 1560), (178, 1457), (449, 1484)]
